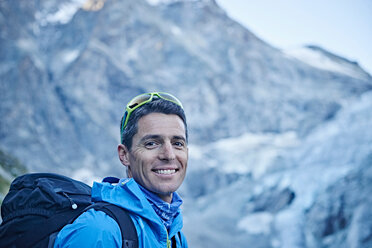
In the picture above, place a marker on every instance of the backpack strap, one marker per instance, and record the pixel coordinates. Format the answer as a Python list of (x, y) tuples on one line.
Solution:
[(174, 242), (180, 236), (121, 216)]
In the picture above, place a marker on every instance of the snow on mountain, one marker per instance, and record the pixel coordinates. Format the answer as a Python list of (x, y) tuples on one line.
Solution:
[(158, 2), (251, 153), (54, 12), (272, 209), (322, 59)]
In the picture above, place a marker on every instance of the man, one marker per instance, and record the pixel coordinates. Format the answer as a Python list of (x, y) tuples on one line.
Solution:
[(154, 150)]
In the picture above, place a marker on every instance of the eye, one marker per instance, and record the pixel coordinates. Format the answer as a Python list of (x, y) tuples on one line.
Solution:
[(179, 144), (151, 144)]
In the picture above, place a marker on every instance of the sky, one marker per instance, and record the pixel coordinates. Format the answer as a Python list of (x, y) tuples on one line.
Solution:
[(343, 27)]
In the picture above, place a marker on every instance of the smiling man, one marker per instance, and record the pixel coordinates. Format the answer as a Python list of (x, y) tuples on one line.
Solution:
[(154, 152), (157, 159)]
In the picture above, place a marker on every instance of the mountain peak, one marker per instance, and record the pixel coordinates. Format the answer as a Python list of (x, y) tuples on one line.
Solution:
[(321, 58)]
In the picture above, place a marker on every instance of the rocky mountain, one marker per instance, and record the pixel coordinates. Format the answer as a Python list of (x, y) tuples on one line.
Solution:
[(10, 167), (310, 192), (322, 59), (276, 138)]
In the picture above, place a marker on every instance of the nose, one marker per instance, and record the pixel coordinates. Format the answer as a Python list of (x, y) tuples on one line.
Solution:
[(167, 152)]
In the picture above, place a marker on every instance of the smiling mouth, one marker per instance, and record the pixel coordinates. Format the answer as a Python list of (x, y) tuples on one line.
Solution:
[(165, 172)]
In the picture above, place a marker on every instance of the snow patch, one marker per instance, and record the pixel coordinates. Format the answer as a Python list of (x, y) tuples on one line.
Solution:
[(176, 30), (195, 152), (253, 140), (157, 2), (320, 60), (69, 56), (85, 175), (253, 153), (63, 15), (258, 223)]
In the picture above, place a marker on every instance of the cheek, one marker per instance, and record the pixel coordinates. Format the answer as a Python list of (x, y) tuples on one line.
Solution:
[(183, 157), (141, 161)]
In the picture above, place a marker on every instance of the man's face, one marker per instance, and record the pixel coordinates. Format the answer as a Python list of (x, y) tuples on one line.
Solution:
[(159, 154)]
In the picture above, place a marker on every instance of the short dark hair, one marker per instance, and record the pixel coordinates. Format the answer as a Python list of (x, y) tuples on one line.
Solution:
[(158, 105)]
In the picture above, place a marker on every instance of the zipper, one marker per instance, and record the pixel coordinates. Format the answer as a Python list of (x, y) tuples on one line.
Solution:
[(168, 240), (168, 243), (73, 204)]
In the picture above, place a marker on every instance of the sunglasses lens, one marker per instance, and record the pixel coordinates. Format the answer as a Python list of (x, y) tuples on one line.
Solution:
[(138, 100), (171, 98), (144, 98)]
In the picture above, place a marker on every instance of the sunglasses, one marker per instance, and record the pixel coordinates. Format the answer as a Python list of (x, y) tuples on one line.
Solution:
[(142, 99)]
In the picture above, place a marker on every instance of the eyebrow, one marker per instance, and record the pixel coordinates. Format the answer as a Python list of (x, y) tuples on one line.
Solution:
[(156, 136), (179, 138), (149, 136)]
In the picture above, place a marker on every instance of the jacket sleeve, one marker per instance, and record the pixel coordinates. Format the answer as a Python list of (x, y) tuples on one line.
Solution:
[(93, 229)]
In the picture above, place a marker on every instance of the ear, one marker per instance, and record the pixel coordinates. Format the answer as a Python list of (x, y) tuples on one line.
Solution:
[(123, 153)]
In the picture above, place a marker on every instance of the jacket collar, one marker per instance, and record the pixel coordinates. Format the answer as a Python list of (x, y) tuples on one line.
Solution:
[(128, 195)]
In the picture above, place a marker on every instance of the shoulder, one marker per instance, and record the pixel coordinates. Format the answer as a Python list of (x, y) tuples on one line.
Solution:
[(91, 229)]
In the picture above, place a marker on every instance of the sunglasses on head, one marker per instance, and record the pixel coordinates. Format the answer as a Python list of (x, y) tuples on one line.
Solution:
[(142, 99)]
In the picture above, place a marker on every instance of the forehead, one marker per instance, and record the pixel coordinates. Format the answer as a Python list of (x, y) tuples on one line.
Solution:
[(161, 124)]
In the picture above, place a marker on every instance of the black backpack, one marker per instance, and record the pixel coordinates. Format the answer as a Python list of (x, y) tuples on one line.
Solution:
[(39, 205)]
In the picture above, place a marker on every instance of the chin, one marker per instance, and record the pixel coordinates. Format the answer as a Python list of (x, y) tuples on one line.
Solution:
[(167, 190)]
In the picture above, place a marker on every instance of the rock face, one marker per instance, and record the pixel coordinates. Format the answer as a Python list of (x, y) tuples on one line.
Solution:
[(341, 216), (314, 192), (10, 168), (279, 144)]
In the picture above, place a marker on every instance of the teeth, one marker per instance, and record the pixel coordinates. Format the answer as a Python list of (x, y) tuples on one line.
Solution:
[(165, 171)]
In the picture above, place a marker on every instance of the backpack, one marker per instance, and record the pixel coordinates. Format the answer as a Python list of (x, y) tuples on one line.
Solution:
[(39, 205)]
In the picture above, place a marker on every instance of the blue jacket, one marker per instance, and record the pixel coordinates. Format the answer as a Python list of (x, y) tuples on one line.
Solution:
[(96, 229)]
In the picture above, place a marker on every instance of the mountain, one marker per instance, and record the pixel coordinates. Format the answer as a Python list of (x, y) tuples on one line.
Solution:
[(323, 59), (310, 192), (271, 134), (10, 168)]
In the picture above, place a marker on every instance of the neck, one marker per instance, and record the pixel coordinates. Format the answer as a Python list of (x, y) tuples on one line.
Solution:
[(166, 198), (165, 206)]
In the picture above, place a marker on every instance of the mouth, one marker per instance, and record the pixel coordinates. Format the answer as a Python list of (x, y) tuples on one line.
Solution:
[(165, 172)]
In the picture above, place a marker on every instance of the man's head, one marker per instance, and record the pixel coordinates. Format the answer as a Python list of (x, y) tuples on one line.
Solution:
[(145, 104), (154, 143)]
